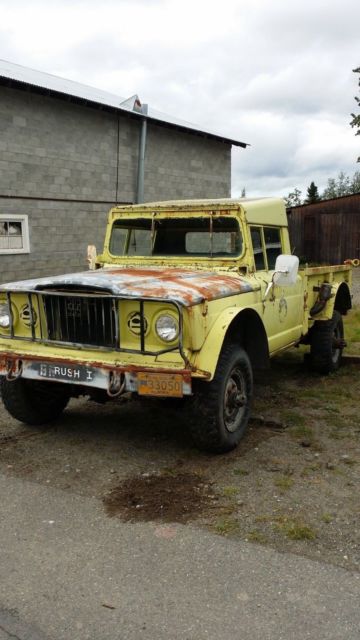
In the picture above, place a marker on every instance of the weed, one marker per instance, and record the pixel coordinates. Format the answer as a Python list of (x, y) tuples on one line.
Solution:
[(302, 431), (284, 483), (349, 461), (226, 527), (295, 530), (331, 409), (309, 469), (230, 492), (293, 419), (240, 472), (326, 517), (256, 536)]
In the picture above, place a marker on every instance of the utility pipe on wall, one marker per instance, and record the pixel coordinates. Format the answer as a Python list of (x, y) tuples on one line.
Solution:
[(141, 158)]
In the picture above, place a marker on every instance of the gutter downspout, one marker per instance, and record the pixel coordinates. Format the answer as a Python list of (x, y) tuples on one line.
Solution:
[(141, 157)]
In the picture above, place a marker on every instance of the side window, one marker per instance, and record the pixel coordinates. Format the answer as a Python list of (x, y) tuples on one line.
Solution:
[(272, 245), (266, 242), (257, 248), (14, 234)]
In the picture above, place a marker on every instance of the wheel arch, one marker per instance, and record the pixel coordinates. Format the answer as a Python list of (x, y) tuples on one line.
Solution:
[(343, 299), (241, 326)]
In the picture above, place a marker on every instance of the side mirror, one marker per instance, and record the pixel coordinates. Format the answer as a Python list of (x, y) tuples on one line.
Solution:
[(286, 270), (285, 273), (91, 256)]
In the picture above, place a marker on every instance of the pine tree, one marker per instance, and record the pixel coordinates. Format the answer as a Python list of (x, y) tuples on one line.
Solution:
[(312, 194)]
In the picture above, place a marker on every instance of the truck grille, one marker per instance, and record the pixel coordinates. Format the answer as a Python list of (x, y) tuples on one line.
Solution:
[(81, 320), (86, 319)]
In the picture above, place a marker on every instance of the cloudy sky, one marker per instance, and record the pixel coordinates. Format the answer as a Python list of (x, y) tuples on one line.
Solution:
[(276, 74)]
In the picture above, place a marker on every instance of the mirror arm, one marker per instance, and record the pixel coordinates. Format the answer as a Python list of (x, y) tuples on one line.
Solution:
[(272, 283)]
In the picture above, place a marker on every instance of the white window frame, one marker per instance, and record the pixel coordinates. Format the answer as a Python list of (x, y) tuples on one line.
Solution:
[(23, 219)]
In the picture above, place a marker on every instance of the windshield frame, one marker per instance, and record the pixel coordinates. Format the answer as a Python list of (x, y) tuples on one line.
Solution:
[(180, 257)]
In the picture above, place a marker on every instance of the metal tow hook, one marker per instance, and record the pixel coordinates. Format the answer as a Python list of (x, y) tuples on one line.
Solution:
[(116, 384), (11, 373)]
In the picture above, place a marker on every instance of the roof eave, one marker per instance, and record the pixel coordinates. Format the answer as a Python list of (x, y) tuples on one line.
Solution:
[(7, 81)]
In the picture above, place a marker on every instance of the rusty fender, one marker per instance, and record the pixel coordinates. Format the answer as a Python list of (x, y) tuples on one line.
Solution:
[(206, 359)]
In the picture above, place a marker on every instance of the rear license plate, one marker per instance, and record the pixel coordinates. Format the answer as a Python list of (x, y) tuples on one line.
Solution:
[(75, 374), (160, 384)]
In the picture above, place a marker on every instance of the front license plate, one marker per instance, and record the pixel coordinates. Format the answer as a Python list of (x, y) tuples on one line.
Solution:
[(75, 374), (160, 384)]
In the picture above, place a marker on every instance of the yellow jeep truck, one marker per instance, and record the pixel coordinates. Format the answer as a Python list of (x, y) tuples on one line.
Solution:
[(185, 301)]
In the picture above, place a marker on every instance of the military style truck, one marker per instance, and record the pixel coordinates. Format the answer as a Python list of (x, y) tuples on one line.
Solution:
[(185, 301)]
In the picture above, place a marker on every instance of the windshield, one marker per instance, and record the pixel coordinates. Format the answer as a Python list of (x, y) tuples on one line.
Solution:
[(198, 237)]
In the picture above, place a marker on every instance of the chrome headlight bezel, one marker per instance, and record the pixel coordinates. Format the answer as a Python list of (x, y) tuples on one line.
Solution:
[(167, 327), (5, 315)]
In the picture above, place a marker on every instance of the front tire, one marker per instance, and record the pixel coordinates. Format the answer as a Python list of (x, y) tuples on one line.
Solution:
[(221, 408), (34, 403), (326, 344)]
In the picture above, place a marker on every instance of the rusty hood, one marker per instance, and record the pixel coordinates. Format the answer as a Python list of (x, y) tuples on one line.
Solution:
[(185, 286)]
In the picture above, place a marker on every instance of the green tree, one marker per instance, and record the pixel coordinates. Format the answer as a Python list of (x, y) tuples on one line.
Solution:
[(355, 122), (355, 183), (312, 194), (336, 188), (293, 199)]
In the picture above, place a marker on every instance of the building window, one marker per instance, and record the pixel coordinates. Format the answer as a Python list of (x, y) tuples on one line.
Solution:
[(14, 234)]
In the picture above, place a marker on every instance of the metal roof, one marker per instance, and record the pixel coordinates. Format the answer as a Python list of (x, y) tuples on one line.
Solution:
[(18, 75)]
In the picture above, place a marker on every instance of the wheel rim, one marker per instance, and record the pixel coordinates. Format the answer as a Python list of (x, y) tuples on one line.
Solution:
[(235, 400)]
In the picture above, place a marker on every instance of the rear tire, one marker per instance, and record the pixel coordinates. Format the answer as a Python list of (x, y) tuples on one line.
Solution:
[(221, 408), (32, 402), (326, 344)]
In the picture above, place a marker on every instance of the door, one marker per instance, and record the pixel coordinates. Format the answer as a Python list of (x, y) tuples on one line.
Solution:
[(282, 311)]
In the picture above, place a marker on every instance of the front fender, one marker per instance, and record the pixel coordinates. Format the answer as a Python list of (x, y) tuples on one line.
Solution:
[(246, 328)]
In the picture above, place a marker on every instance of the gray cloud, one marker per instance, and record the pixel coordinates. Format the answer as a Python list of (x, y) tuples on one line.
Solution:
[(277, 75)]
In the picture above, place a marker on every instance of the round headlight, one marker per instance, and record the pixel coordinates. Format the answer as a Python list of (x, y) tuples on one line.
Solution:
[(4, 316), (167, 328)]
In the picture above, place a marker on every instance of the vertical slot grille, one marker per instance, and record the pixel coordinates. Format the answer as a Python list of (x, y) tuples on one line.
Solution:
[(82, 320)]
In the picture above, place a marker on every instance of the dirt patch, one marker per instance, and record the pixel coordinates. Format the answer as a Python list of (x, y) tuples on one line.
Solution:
[(169, 498)]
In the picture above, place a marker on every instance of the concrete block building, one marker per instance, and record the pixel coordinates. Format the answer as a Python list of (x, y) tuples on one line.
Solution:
[(69, 152)]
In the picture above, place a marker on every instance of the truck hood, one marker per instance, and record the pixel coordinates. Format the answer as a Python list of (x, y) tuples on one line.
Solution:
[(185, 286)]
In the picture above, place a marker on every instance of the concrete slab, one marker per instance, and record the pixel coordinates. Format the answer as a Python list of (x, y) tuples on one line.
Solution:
[(69, 572)]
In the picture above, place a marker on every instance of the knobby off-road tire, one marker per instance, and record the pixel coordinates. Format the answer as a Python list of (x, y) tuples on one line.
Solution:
[(221, 408), (32, 402), (325, 344)]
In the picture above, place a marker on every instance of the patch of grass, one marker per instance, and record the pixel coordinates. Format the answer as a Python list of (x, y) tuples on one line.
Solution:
[(349, 461), (352, 325), (326, 517), (339, 434), (226, 526), (230, 492), (284, 483), (263, 518), (331, 409), (256, 536), (293, 419), (303, 432), (240, 472), (309, 469), (295, 530)]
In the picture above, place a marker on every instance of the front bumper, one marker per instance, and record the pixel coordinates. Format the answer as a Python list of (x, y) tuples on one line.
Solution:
[(149, 381)]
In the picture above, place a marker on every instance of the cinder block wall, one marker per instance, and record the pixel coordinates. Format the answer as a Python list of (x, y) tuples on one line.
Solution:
[(66, 164)]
